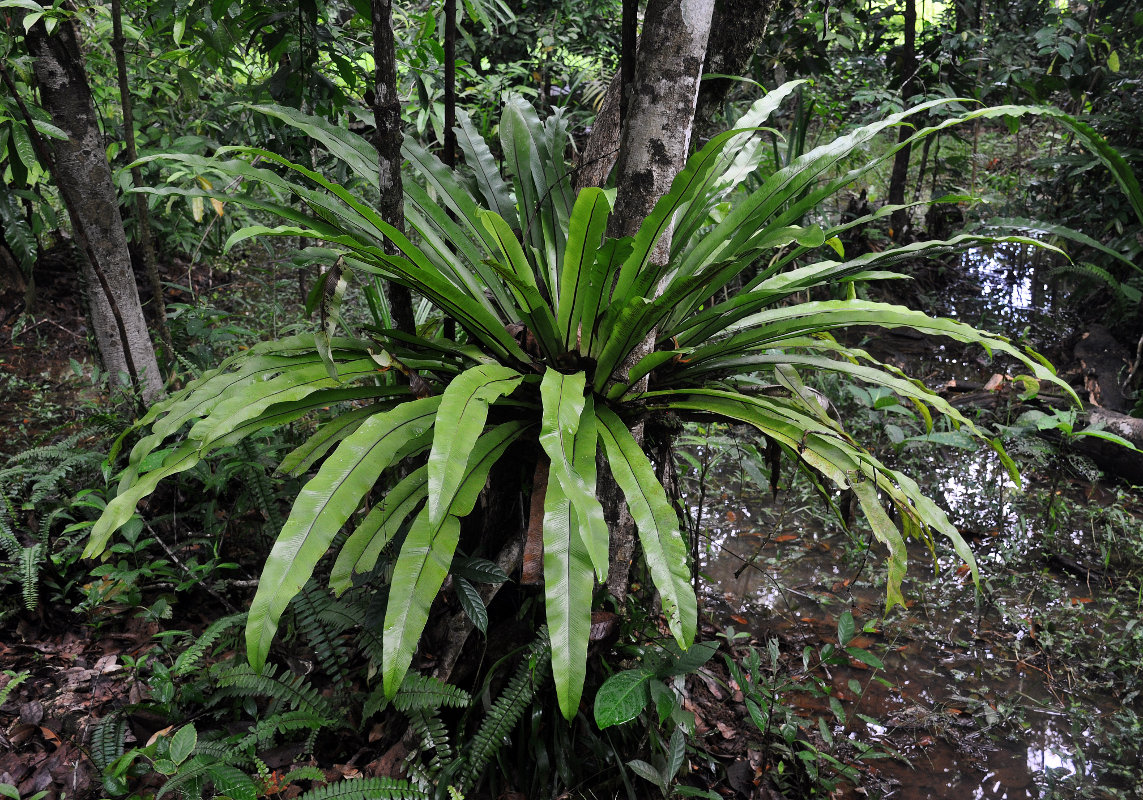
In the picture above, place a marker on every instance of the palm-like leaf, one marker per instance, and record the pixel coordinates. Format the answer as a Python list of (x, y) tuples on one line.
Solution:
[(550, 310)]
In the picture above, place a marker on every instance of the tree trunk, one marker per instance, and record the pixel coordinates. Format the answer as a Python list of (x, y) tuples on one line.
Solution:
[(735, 31), (143, 217), (654, 145), (83, 177), (908, 69), (387, 140)]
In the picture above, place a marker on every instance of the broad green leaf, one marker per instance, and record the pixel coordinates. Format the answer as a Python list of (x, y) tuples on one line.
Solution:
[(183, 743), (417, 577), (622, 697), (563, 407), (657, 522), (49, 130), (676, 753), (472, 603), (761, 329), (298, 460), (649, 773), (354, 150), (608, 259), (322, 507), (257, 396), (460, 419), (832, 456), (122, 507), (845, 627), (364, 545), (569, 576), (483, 164), (886, 533), (426, 556), (587, 225), (684, 662), (1063, 232), (539, 314), (693, 179), (865, 657)]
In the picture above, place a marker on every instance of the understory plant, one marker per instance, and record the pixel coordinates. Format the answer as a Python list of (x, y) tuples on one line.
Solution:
[(550, 313)]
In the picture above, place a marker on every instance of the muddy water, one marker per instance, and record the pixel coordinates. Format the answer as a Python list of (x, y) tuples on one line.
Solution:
[(967, 704)]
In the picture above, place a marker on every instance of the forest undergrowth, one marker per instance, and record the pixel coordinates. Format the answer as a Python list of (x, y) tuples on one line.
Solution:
[(126, 678)]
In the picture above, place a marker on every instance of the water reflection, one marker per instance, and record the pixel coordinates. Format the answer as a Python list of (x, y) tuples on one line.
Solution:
[(961, 704)]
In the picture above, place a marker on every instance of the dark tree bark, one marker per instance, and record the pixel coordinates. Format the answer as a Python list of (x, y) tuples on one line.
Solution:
[(654, 146), (387, 140), (907, 72), (83, 178), (143, 216)]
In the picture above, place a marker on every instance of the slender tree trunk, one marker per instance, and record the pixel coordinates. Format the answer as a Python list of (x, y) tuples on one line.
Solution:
[(142, 215), (654, 145), (908, 69), (388, 139), (83, 177), (736, 29)]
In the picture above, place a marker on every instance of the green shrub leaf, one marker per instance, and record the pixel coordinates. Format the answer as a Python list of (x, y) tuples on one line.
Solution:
[(622, 697)]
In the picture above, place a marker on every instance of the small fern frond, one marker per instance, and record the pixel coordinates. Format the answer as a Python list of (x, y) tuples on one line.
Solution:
[(1084, 270), (306, 773), (260, 486), (376, 701), (433, 740), (346, 613), (506, 711), (426, 693), (190, 777), (108, 740), (285, 722), (367, 789), (293, 692), (31, 559), (331, 651), (190, 657), (219, 751), (15, 679)]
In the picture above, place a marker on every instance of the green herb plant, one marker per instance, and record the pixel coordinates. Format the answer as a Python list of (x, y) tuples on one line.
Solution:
[(549, 312)]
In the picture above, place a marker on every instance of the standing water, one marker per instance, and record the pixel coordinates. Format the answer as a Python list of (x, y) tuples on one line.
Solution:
[(981, 695)]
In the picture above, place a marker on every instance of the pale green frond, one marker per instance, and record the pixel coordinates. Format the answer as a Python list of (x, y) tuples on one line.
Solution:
[(657, 523), (322, 507), (563, 407)]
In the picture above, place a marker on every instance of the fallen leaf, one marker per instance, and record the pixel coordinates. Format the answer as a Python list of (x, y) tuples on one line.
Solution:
[(164, 732)]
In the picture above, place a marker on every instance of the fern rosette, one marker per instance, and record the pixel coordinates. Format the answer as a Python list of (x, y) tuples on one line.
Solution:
[(551, 313)]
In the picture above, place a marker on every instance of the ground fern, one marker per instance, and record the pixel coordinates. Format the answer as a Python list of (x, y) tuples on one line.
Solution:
[(367, 789)]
